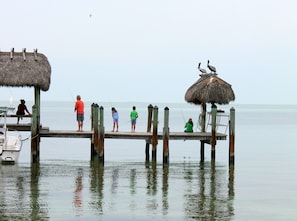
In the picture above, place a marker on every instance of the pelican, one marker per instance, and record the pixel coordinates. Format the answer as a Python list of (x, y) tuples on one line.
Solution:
[(212, 68), (201, 69)]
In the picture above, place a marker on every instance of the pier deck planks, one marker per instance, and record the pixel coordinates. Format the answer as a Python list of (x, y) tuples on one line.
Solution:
[(46, 132), (131, 135)]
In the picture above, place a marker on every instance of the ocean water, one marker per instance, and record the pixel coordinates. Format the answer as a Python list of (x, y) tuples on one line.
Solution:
[(66, 185)]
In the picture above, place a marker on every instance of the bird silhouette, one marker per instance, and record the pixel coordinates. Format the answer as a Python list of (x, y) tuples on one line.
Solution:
[(201, 69), (212, 68), (11, 53)]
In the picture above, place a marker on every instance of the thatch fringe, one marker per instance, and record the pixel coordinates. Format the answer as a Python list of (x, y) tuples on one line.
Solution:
[(23, 69)]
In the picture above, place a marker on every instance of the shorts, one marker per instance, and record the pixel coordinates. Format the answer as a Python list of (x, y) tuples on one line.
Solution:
[(133, 122), (80, 117)]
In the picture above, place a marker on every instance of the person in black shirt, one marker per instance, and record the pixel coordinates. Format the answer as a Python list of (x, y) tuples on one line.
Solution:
[(22, 108)]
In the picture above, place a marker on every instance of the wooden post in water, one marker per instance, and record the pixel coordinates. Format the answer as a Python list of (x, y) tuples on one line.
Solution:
[(149, 127), (202, 147), (203, 117), (166, 136), (34, 136), (232, 137), (155, 134), (92, 127), (95, 128), (213, 130), (101, 134), (202, 120)]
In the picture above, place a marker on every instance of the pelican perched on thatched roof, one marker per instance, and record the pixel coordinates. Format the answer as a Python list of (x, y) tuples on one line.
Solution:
[(203, 71), (211, 68)]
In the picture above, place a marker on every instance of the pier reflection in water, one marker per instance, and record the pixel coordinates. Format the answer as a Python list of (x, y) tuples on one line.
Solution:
[(79, 190), (20, 196), (211, 198)]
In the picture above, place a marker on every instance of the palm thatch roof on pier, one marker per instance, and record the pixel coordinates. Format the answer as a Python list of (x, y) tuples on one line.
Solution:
[(209, 88), (24, 69)]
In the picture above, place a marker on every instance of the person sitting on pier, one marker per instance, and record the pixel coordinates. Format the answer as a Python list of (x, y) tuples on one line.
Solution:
[(22, 108), (189, 126)]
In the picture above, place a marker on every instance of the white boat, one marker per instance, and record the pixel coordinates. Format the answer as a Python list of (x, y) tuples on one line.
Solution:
[(10, 142)]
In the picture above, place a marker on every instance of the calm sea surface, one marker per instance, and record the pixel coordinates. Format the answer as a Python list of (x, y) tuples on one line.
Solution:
[(66, 185)]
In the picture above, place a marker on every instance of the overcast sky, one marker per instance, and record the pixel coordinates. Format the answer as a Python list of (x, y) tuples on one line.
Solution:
[(136, 50)]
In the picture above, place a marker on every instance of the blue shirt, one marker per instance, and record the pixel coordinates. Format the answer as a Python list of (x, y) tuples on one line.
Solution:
[(115, 115)]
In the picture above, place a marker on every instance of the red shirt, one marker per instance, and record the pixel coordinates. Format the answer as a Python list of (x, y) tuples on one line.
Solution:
[(79, 107)]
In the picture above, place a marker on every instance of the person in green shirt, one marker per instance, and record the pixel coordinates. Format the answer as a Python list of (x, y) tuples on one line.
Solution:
[(133, 117), (189, 126)]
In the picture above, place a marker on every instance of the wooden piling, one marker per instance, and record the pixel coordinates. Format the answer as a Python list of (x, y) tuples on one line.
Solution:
[(202, 147), (37, 104), (92, 127), (101, 134), (203, 117), (155, 134), (213, 131), (149, 127), (202, 121), (95, 128), (166, 136), (232, 137), (34, 136)]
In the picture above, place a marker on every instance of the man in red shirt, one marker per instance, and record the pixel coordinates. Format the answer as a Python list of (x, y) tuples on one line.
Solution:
[(79, 108)]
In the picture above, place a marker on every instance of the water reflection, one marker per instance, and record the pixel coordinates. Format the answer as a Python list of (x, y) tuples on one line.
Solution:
[(211, 198), (20, 196), (133, 181), (77, 199), (208, 190), (152, 182), (39, 207), (165, 186), (96, 186), (133, 186), (79, 190), (153, 188)]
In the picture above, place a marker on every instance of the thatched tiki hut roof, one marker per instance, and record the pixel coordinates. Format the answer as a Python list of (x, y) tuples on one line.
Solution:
[(210, 89), (23, 69)]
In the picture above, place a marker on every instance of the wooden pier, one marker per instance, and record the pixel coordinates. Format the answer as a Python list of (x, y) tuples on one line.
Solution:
[(34, 70), (97, 134)]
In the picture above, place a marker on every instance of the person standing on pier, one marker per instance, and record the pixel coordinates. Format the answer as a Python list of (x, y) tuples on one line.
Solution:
[(80, 109), (133, 117), (22, 108), (115, 117), (189, 126)]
